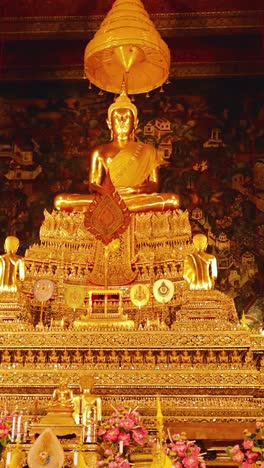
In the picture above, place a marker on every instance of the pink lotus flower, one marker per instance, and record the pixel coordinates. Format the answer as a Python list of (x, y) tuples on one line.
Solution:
[(108, 452), (195, 450), (113, 421), (235, 449), (125, 437), (251, 451), (248, 444), (139, 435), (251, 457), (180, 448), (111, 435), (122, 463), (122, 426), (238, 457), (127, 423), (190, 462), (3, 432)]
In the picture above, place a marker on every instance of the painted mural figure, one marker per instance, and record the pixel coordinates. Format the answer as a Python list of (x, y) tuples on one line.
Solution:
[(132, 165), (12, 266), (200, 267)]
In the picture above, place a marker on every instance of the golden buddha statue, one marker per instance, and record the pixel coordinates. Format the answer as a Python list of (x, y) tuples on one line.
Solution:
[(211, 359), (249, 359), (198, 358), (6, 357), (62, 400), (89, 357), (138, 358), (150, 359), (200, 267), (41, 358), (186, 359), (100, 361), (30, 358), (162, 358), (224, 358), (87, 405), (174, 358), (126, 360), (60, 411), (77, 357), (12, 266), (236, 358), (114, 358), (18, 357), (132, 165), (65, 358), (53, 358)]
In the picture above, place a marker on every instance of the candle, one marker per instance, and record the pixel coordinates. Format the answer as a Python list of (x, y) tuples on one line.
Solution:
[(19, 426), (121, 446), (8, 458), (25, 431), (75, 458), (13, 428)]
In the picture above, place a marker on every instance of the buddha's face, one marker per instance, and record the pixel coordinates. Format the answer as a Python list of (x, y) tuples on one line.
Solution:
[(122, 123)]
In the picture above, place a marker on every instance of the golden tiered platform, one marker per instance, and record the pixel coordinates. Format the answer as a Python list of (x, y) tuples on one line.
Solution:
[(207, 368)]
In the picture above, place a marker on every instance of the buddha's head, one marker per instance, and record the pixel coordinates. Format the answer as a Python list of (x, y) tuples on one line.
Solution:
[(200, 241), (87, 383), (11, 244), (122, 117)]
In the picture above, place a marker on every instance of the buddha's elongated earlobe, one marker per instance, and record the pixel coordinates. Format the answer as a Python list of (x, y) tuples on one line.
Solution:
[(110, 128)]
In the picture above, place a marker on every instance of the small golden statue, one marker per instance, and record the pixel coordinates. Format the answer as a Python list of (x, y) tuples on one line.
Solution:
[(136, 186), (88, 409), (12, 266), (60, 410), (200, 268), (62, 399), (18, 358), (6, 358)]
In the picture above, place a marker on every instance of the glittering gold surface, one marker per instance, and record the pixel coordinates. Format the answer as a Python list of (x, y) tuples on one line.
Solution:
[(192, 351)]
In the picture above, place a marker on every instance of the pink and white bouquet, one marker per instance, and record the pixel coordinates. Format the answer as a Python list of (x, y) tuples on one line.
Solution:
[(184, 453), (5, 420), (117, 433), (251, 451)]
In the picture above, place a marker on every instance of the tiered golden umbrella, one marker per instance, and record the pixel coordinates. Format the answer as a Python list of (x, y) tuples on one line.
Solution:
[(127, 47)]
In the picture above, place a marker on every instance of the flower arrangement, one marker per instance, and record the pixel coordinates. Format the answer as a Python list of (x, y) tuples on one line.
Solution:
[(251, 450), (116, 434), (4, 429), (184, 453)]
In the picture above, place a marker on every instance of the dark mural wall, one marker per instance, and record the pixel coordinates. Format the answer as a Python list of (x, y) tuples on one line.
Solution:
[(211, 133)]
